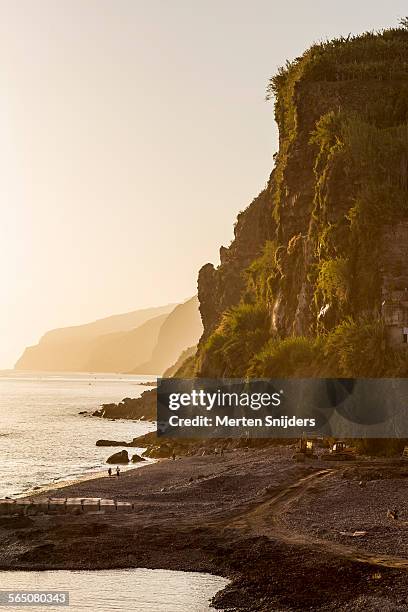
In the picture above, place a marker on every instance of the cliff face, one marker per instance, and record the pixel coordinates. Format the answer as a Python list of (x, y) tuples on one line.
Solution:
[(220, 288), (310, 283)]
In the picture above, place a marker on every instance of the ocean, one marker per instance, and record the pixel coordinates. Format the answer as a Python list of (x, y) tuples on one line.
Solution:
[(43, 438)]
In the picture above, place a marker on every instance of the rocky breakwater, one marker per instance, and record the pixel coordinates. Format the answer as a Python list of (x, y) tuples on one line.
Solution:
[(142, 408)]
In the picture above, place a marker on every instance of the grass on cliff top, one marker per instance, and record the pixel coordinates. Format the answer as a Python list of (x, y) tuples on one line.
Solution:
[(378, 55)]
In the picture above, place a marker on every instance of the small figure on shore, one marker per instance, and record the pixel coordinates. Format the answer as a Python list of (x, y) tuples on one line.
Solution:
[(117, 471), (110, 472), (173, 455), (222, 451)]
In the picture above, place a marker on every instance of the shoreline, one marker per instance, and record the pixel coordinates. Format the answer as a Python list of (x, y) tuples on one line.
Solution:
[(227, 516), (86, 476)]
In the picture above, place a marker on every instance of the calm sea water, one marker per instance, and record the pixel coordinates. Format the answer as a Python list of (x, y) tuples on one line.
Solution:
[(43, 439), (139, 590)]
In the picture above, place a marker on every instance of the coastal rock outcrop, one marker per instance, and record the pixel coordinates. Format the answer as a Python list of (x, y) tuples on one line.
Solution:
[(121, 457), (142, 408), (137, 458), (222, 287), (111, 443)]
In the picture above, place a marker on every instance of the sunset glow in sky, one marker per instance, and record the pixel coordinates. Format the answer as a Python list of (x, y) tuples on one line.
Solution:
[(131, 134)]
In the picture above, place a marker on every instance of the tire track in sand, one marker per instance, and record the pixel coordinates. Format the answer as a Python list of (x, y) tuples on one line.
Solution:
[(264, 520)]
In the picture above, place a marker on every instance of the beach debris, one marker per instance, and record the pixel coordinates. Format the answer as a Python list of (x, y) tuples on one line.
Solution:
[(353, 534), (392, 514)]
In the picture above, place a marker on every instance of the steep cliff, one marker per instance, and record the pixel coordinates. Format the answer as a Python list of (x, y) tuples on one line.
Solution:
[(315, 280)]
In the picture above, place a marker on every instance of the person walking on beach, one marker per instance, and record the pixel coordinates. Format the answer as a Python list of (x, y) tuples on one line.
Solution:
[(117, 471), (110, 472)]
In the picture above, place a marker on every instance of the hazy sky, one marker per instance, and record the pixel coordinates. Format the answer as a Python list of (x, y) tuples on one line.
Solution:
[(131, 134)]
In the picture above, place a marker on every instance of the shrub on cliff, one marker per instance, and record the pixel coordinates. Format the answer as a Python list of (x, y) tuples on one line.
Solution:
[(357, 349), (288, 357), (333, 279), (382, 447), (244, 329)]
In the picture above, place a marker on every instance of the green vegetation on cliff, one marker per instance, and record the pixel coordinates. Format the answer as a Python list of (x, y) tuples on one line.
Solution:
[(317, 254)]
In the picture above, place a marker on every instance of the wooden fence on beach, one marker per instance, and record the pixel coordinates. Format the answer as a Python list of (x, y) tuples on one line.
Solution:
[(61, 505)]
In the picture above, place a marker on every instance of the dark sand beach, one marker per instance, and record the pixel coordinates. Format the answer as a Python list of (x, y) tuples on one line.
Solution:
[(269, 524)]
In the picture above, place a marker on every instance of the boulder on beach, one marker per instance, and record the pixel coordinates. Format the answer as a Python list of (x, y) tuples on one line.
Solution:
[(121, 457), (137, 458)]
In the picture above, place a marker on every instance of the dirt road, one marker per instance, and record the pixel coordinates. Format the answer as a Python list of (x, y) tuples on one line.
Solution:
[(264, 519)]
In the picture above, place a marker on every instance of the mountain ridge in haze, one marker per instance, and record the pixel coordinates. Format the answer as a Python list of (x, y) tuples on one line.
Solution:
[(119, 351), (105, 325), (151, 338), (70, 348)]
